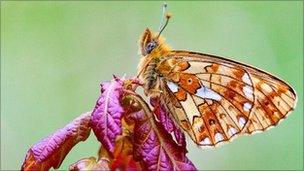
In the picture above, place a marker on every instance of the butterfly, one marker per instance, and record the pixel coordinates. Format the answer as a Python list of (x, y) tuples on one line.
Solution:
[(213, 99)]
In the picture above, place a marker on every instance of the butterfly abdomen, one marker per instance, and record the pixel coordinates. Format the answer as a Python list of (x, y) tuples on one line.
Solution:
[(150, 75)]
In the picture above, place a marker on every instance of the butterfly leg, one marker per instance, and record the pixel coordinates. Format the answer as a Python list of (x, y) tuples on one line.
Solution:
[(153, 92)]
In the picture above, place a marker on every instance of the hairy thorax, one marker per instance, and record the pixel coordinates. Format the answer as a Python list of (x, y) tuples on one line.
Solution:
[(150, 76), (151, 70)]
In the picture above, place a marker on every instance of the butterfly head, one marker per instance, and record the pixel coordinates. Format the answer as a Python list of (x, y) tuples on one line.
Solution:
[(147, 42), (153, 42)]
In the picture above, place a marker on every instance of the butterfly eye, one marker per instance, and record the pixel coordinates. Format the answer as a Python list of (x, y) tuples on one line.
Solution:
[(150, 46)]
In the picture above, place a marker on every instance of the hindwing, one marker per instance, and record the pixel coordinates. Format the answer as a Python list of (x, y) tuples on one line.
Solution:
[(215, 99)]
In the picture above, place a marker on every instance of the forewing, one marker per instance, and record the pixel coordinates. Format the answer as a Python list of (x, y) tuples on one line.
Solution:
[(214, 99)]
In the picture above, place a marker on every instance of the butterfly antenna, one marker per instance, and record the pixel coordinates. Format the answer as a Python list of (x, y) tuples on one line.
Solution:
[(166, 16)]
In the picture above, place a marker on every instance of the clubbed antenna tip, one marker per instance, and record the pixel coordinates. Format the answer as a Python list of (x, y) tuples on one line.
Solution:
[(165, 19)]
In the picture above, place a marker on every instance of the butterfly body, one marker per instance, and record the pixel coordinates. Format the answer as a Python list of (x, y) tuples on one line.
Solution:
[(150, 62), (213, 99)]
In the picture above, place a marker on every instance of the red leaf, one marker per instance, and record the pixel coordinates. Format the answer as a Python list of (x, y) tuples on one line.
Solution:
[(123, 155), (90, 164), (153, 145), (51, 151)]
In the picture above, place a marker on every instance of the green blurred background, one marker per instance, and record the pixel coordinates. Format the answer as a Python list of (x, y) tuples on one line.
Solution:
[(55, 54)]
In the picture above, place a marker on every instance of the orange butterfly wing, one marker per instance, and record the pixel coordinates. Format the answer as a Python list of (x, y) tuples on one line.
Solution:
[(214, 99)]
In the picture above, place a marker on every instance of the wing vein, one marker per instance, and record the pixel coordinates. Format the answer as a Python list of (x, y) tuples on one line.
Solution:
[(229, 116), (203, 119), (271, 101), (216, 119), (282, 98), (273, 122), (226, 88)]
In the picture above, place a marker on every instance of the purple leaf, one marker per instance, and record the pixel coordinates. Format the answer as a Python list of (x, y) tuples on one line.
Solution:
[(167, 122), (162, 115), (180, 137), (153, 144), (50, 151), (106, 117)]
